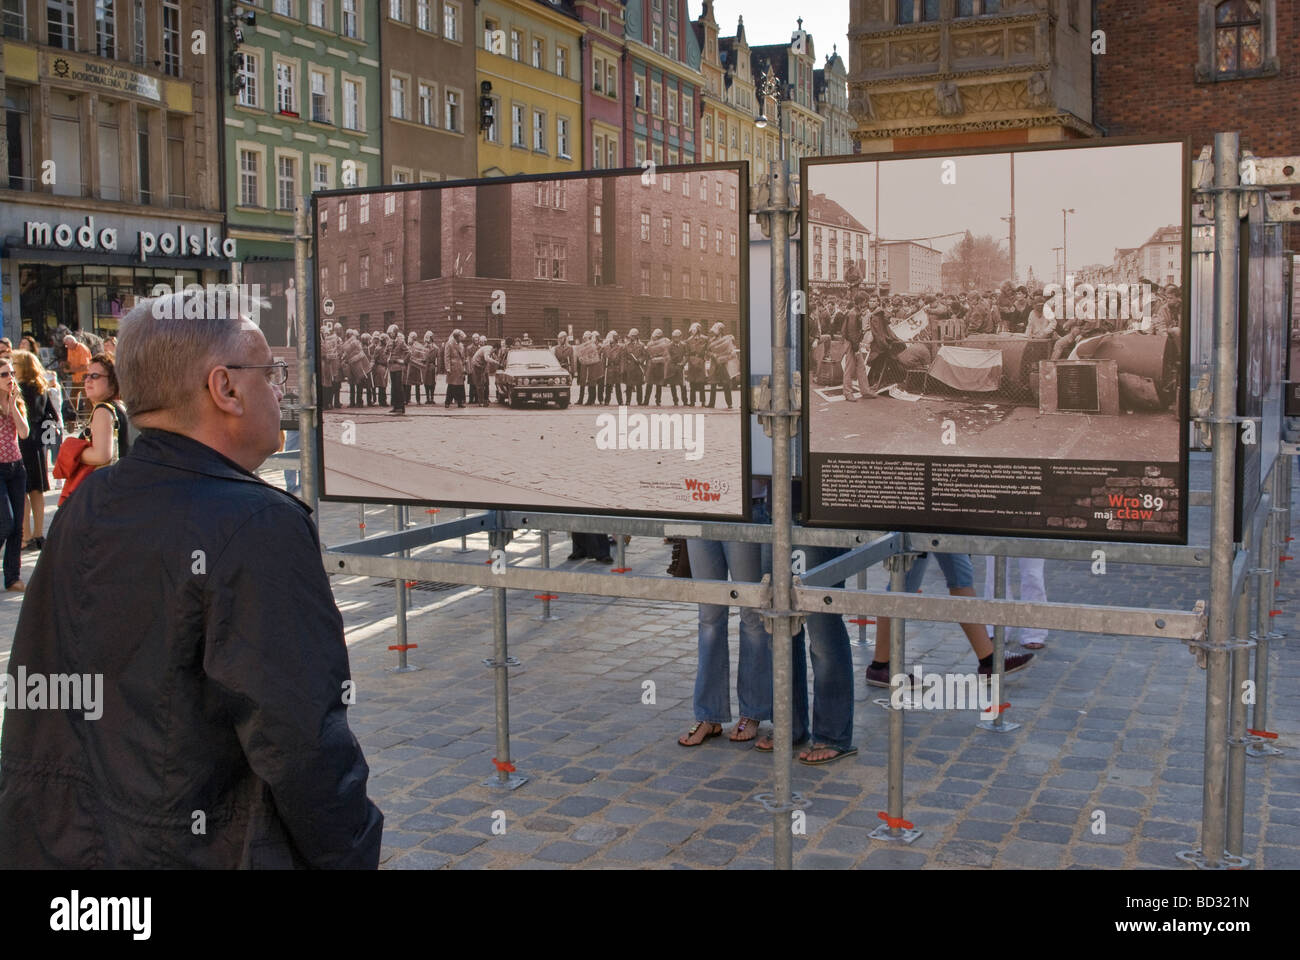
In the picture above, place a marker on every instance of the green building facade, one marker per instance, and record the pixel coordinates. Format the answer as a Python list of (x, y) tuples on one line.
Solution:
[(301, 104)]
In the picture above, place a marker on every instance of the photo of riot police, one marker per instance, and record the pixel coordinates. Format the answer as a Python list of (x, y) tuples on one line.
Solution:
[(572, 343), (1020, 312)]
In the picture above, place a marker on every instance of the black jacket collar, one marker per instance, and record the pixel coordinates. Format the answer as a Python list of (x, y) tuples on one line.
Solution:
[(180, 452)]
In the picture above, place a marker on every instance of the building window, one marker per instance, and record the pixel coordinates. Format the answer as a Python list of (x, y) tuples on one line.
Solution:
[(704, 189), (732, 196), (688, 111), (451, 113), (539, 52), (18, 123), (283, 7), (517, 125), (595, 219), (717, 288), (562, 137), (516, 43), (704, 286), (733, 243), (343, 276), (1238, 37), (343, 215), (645, 226), (667, 223), (597, 151), (686, 234), (541, 259), (604, 19), (352, 117), (657, 38), (672, 106), (350, 20), (561, 61), (638, 94), (322, 175), (668, 283), (451, 21), (388, 265), (61, 23), (397, 96), (171, 37), (493, 129), (717, 192), (286, 100), (977, 8), (390, 199), (656, 104), (318, 13), (250, 175), (249, 79), (320, 97), (915, 11), (424, 15), (717, 241), (559, 259), (140, 33), (704, 238), (105, 28), (542, 198), (611, 152), (363, 207), (686, 284), (286, 181), (363, 271), (539, 131), (428, 95), (645, 280), (397, 10), (733, 289)]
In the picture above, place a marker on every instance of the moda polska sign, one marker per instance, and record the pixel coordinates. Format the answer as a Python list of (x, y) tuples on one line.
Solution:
[(182, 242)]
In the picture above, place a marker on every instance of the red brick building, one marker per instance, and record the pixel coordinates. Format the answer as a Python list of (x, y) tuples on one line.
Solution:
[(1201, 68)]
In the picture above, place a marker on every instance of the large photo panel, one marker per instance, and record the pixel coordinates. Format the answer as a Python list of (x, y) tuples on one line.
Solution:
[(994, 341), (575, 343)]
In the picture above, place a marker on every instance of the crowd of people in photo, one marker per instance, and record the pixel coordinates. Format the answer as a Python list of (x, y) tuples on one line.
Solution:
[(391, 367), (876, 358)]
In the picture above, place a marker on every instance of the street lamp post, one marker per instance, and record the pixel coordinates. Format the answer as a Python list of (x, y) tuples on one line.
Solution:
[(1064, 246)]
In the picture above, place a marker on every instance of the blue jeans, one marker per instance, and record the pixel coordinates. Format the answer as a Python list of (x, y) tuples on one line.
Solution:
[(832, 663), (14, 476), (291, 442), (957, 570), (714, 560)]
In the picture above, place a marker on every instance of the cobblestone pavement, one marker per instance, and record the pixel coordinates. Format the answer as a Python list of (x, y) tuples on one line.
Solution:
[(1108, 724), (539, 457)]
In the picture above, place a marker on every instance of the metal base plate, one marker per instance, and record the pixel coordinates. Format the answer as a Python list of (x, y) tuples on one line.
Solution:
[(1261, 750), (905, 703), (1197, 859), (549, 619), (906, 836), (512, 782), (409, 668), (1005, 727)]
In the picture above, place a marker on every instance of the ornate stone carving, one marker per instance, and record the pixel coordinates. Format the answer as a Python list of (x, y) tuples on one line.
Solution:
[(948, 97), (875, 55), (873, 10), (905, 105), (1038, 89), (1067, 120), (966, 45), (1022, 39), (919, 50), (860, 107)]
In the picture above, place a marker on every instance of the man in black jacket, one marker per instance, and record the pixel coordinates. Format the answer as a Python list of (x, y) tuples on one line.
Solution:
[(196, 592)]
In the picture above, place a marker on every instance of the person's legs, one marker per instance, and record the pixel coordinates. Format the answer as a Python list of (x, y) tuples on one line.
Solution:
[(960, 574), (1032, 590), (832, 663), (712, 699), (15, 480), (754, 664), (912, 584)]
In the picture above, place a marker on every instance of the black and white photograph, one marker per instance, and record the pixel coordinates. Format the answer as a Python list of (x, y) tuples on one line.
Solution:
[(575, 343), (993, 341), (1293, 343)]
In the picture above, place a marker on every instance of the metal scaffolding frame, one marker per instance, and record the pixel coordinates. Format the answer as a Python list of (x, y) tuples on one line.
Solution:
[(1220, 634)]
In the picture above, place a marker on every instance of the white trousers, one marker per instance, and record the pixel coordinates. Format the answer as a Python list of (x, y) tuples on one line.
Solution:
[(1032, 590)]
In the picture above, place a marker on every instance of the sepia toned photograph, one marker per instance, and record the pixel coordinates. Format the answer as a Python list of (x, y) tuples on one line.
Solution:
[(575, 344), (994, 341)]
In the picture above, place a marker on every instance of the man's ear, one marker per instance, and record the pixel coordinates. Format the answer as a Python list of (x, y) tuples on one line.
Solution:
[(224, 393)]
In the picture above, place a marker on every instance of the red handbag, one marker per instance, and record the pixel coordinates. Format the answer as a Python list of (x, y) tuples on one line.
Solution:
[(68, 466)]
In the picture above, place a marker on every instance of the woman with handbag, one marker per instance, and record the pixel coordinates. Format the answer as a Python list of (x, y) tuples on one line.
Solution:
[(33, 382), (13, 427)]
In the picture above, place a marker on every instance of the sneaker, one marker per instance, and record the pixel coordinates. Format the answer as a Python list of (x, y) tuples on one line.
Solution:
[(879, 677), (1011, 664)]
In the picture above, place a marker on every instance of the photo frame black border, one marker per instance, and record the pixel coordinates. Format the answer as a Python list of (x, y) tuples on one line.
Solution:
[(1180, 538), (741, 168)]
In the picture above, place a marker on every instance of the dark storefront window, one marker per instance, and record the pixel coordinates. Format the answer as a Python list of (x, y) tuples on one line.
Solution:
[(89, 297)]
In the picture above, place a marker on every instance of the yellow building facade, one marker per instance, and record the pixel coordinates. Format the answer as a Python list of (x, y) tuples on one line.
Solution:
[(531, 57)]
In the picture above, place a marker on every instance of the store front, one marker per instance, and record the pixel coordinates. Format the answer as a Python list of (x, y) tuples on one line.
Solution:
[(84, 272)]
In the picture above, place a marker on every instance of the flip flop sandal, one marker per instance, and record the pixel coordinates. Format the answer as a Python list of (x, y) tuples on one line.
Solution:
[(839, 754), (741, 727), (765, 744), (707, 736)]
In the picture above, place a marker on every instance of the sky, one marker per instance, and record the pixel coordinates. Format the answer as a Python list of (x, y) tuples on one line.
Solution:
[(769, 21), (1120, 195)]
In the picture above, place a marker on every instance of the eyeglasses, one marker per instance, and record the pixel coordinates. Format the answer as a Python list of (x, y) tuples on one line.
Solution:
[(278, 372), (96, 376)]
